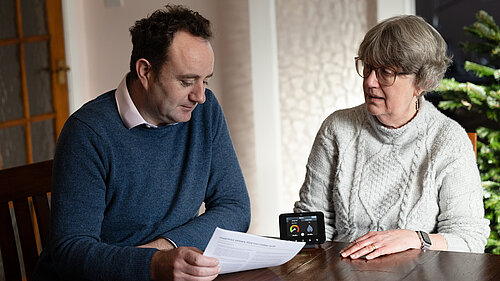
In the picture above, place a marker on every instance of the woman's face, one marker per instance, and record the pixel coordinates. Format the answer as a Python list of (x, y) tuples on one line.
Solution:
[(393, 105)]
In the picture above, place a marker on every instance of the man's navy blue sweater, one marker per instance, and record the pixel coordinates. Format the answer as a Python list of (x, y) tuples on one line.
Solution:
[(114, 189)]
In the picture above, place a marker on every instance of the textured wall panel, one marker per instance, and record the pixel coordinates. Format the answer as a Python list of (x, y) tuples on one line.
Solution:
[(317, 42), (234, 63)]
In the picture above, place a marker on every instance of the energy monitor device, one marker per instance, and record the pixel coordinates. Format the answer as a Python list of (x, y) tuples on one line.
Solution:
[(308, 227)]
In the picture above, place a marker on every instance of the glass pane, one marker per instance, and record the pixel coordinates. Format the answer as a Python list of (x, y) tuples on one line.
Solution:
[(7, 19), (43, 140), (38, 77), (33, 13), (11, 102), (13, 147)]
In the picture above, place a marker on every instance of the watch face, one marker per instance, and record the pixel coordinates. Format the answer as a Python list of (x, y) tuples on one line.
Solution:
[(425, 237)]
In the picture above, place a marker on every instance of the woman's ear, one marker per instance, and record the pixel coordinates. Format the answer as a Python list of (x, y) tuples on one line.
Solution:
[(418, 92), (144, 72)]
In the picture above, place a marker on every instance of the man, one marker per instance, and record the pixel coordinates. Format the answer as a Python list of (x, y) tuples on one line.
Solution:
[(133, 166)]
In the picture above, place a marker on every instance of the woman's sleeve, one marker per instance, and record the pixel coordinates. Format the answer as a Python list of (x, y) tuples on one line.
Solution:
[(461, 219), (315, 194)]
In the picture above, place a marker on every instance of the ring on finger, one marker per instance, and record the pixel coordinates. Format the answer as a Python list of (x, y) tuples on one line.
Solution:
[(373, 247)]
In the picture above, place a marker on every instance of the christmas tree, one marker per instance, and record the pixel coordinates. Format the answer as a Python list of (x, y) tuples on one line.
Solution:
[(482, 99)]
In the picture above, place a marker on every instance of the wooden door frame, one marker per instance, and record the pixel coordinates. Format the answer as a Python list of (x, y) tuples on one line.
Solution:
[(59, 91)]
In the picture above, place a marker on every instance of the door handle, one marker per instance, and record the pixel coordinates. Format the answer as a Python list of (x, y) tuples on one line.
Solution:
[(61, 70)]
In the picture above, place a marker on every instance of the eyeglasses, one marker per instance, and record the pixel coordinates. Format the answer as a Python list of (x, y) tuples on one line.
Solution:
[(385, 76)]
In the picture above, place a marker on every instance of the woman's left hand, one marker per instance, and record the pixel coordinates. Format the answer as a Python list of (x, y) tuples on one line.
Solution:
[(379, 243)]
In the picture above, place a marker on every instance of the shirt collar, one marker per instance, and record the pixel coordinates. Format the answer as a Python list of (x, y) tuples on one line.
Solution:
[(126, 108)]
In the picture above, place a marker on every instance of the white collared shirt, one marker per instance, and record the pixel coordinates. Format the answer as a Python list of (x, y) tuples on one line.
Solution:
[(127, 109)]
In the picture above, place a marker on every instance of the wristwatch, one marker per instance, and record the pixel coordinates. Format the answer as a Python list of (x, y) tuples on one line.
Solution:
[(425, 240)]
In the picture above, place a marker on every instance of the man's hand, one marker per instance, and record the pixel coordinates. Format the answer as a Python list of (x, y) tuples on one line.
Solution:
[(183, 263)]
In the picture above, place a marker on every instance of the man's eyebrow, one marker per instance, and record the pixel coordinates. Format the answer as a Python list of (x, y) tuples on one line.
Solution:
[(193, 76)]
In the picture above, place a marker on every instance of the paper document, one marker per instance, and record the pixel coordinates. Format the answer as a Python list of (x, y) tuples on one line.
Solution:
[(239, 251)]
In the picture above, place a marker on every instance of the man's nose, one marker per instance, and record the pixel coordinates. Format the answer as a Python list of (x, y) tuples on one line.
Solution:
[(198, 93)]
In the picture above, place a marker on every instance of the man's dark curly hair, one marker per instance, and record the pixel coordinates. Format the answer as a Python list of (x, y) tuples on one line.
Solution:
[(152, 36)]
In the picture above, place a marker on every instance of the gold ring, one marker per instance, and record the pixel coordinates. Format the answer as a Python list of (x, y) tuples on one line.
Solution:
[(373, 247)]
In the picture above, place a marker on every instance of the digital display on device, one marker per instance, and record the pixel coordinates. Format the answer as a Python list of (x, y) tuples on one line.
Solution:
[(308, 227)]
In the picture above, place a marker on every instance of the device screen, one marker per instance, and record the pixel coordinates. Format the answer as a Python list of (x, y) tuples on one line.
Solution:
[(308, 227), (302, 226)]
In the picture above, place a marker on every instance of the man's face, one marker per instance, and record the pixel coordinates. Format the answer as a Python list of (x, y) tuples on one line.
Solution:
[(180, 85)]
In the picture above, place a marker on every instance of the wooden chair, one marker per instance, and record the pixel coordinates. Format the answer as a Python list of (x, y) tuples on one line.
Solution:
[(24, 190), (473, 139)]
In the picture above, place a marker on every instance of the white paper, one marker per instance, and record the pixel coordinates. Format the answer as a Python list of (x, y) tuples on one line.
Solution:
[(239, 251)]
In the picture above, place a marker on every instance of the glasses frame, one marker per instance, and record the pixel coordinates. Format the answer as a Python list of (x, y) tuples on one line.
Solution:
[(379, 72)]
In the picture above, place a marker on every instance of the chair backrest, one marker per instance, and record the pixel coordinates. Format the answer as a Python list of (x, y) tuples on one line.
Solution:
[(24, 192), (473, 139)]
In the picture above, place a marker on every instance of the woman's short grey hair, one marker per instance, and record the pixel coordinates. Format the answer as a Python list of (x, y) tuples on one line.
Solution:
[(407, 44)]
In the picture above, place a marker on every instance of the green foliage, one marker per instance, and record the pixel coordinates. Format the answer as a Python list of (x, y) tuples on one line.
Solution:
[(486, 29), (483, 100), (481, 70)]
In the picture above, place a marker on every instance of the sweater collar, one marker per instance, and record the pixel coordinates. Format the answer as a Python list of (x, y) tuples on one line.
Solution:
[(404, 134)]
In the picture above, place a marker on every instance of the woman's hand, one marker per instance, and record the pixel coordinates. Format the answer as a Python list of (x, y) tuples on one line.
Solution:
[(379, 243)]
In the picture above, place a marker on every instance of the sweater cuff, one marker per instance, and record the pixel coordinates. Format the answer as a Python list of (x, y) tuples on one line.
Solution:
[(149, 257), (455, 243), (136, 270)]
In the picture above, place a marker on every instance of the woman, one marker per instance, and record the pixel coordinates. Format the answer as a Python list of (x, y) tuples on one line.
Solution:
[(394, 173)]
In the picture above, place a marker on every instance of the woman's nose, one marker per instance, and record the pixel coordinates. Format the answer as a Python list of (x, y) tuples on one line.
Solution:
[(372, 80)]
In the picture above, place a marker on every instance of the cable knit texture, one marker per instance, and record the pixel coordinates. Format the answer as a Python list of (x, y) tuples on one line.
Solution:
[(422, 176)]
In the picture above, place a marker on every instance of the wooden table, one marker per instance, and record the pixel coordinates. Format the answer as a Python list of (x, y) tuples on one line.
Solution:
[(325, 263)]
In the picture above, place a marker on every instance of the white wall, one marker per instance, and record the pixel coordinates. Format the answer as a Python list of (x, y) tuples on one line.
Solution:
[(98, 43), (266, 105), (389, 8)]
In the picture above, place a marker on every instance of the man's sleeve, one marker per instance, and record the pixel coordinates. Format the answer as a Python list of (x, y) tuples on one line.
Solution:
[(226, 201), (77, 211)]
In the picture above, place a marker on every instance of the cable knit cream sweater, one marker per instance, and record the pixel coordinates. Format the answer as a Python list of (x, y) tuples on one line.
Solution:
[(422, 176)]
